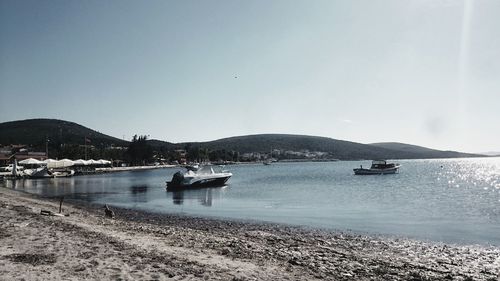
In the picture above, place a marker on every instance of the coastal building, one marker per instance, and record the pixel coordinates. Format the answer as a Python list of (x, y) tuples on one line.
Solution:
[(181, 156), (19, 152), (251, 156)]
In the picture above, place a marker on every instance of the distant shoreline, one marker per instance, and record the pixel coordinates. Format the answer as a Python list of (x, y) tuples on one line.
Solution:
[(132, 168), (141, 245), (245, 147)]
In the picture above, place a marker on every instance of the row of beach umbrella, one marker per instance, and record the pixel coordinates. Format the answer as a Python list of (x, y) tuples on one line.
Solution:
[(51, 163)]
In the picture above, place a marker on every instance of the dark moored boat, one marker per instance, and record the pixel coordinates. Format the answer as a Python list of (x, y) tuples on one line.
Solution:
[(205, 176), (379, 167)]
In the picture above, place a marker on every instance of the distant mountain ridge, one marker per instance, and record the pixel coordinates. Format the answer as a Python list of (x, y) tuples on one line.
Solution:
[(491, 153), (340, 149), (35, 131), (431, 153)]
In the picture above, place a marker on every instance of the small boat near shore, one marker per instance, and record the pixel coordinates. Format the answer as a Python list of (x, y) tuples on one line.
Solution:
[(37, 173), (35, 169), (41, 173), (202, 176), (63, 173), (378, 167)]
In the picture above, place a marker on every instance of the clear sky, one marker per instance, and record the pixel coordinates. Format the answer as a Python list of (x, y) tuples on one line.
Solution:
[(424, 72)]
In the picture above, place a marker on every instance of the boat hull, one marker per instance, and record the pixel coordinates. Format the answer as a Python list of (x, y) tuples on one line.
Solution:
[(63, 174), (198, 183), (210, 182), (38, 173), (361, 171)]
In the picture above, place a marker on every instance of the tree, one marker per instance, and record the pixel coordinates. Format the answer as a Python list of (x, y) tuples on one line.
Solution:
[(139, 152)]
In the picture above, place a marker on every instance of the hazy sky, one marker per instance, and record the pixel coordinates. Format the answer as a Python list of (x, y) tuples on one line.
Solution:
[(420, 72)]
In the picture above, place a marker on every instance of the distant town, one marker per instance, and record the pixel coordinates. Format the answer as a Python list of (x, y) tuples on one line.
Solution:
[(22, 152)]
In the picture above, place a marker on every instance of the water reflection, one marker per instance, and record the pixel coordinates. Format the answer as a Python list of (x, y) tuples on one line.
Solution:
[(178, 197), (135, 189), (46, 187), (139, 193), (204, 196), (207, 199)]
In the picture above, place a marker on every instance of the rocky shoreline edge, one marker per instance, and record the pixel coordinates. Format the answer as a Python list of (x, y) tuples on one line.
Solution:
[(148, 246)]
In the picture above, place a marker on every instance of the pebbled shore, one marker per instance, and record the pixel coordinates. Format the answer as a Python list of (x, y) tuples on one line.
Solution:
[(144, 246)]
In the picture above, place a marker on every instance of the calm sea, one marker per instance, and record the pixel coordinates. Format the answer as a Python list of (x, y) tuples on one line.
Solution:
[(451, 200)]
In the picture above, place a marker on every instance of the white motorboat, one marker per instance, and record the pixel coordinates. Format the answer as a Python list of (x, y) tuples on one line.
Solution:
[(203, 176), (34, 169), (38, 173), (12, 171), (44, 172), (63, 173), (379, 167)]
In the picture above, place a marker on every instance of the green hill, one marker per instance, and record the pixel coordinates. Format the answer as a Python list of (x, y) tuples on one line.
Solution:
[(264, 143), (162, 144), (36, 131), (339, 149)]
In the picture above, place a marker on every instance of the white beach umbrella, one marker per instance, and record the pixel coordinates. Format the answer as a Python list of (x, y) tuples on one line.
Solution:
[(51, 163), (48, 161), (65, 163), (80, 162), (104, 162), (30, 161), (93, 162)]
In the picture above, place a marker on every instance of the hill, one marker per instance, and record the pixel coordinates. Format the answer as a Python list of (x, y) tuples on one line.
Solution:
[(36, 131), (266, 142), (427, 152), (338, 148), (162, 144)]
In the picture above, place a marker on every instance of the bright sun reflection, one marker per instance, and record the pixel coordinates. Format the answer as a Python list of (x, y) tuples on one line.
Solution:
[(473, 173)]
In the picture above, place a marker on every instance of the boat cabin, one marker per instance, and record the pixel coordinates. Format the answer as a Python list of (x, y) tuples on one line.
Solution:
[(381, 164)]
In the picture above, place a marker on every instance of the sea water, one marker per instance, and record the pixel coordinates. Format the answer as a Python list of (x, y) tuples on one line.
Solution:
[(450, 200)]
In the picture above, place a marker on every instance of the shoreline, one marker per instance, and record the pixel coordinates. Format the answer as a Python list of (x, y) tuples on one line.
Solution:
[(141, 245), (131, 168)]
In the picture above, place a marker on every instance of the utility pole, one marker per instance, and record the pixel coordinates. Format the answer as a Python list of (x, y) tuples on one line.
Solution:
[(47, 146), (85, 144)]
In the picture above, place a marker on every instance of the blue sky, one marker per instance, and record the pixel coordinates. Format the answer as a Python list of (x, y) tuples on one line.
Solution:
[(420, 72)]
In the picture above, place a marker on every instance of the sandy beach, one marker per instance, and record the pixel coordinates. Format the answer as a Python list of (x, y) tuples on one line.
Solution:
[(85, 245)]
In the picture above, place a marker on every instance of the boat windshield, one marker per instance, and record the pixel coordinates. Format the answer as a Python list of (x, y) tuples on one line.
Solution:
[(209, 170)]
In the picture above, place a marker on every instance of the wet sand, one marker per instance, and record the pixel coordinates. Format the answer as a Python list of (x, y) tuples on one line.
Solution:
[(145, 246)]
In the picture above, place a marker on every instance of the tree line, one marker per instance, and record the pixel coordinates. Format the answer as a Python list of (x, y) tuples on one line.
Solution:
[(138, 152)]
